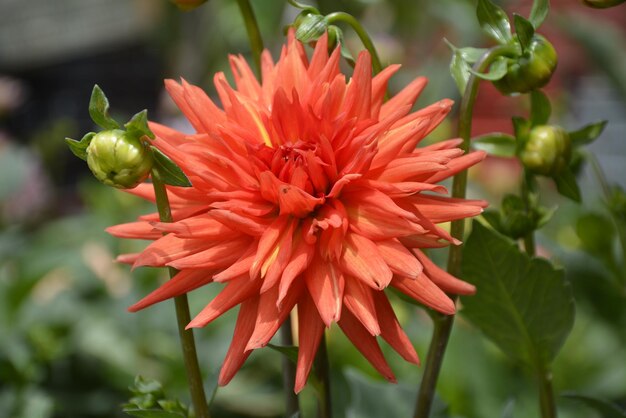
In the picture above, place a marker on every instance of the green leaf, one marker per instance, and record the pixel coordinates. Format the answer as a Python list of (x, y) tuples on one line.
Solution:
[(606, 409), (493, 218), (290, 352), (79, 148), (497, 70), (524, 30), (493, 21), (99, 109), (460, 71), (539, 12), (496, 143), (524, 305), (312, 27), (588, 133), (469, 54), (169, 172), (138, 125), (540, 108), (567, 186), (152, 413)]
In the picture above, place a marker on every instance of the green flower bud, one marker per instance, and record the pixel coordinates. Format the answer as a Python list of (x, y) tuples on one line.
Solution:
[(119, 159), (187, 5), (602, 4), (310, 27), (531, 70), (548, 150)]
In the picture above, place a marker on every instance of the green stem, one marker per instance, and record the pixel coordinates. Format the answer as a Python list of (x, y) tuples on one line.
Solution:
[(529, 238), (254, 34), (362, 34), (546, 395), (322, 372), (443, 323), (187, 342), (292, 404)]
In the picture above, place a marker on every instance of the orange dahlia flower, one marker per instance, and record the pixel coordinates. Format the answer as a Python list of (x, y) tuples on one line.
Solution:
[(308, 191)]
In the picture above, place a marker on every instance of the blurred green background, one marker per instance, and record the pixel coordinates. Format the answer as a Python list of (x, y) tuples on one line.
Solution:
[(69, 348)]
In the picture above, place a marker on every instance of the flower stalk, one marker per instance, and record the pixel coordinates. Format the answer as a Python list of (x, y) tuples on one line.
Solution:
[(443, 323), (190, 357), (322, 371), (361, 33), (254, 33), (292, 404)]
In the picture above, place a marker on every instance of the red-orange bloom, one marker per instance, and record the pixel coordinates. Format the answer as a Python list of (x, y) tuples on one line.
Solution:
[(308, 191)]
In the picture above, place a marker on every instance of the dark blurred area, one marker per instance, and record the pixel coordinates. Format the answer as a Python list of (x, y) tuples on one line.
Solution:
[(69, 349)]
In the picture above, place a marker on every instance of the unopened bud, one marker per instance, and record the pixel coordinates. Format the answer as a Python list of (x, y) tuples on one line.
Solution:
[(119, 159), (531, 70), (548, 150)]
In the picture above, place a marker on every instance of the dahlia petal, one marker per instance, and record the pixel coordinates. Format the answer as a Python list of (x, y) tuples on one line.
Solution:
[(202, 226), (379, 88), (135, 230), (359, 300), (267, 244), (423, 290), (279, 263), (325, 283), (366, 344), (218, 256), (270, 317), (167, 249), (399, 258), (310, 331), (402, 189), (357, 102), (391, 331), (249, 225), (444, 210), (377, 226), (442, 278), (235, 292), (456, 165), (291, 200), (127, 258), (300, 259), (362, 260), (237, 353), (172, 136), (183, 282), (408, 95), (434, 113), (239, 267), (177, 93)]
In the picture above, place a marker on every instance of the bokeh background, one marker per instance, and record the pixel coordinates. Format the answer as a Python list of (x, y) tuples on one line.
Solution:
[(69, 348)]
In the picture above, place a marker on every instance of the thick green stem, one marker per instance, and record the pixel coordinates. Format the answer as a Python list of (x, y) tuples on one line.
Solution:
[(546, 395), (362, 34), (254, 34), (443, 323), (292, 404), (187, 342), (322, 372), (529, 238)]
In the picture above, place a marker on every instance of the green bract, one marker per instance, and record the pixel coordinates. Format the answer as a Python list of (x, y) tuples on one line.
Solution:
[(531, 70), (119, 159), (548, 150)]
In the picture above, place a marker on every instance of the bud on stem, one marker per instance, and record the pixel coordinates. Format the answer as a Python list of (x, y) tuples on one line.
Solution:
[(119, 159)]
